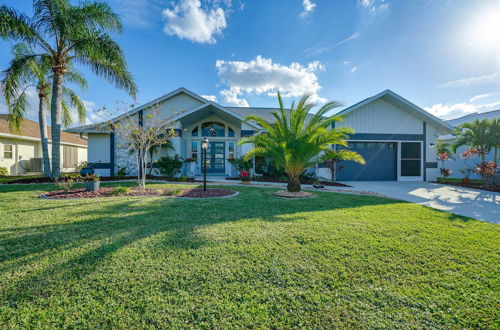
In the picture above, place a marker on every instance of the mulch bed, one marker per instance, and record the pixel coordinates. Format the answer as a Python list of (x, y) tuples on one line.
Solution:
[(471, 185), (102, 178), (167, 192), (288, 194), (305, 181)]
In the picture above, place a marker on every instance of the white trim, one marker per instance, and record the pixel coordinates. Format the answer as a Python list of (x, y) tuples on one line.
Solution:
[(27, 138)]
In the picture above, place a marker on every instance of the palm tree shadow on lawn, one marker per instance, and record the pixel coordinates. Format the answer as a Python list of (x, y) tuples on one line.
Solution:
[(109, 224)]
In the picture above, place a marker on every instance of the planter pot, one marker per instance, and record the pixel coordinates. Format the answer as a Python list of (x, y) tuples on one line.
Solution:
[(466, 181), (92, 186), (245, 182)]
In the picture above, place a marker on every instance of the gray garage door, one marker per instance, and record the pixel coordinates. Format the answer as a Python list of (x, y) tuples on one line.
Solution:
[(381, 158)]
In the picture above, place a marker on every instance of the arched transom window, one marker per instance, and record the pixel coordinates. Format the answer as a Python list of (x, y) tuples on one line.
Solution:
[(213, 129)]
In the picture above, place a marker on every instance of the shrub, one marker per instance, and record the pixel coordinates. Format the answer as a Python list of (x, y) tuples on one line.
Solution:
[(486, 170), (3, 171), (120, 191), (66, 183), (445, 172), (79, 167), (172, 192), (169, 166), (122, 172), (245, 176), (91, 178), (241, 164)]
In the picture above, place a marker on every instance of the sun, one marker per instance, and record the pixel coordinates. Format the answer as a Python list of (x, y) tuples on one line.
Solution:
[(484, 30)]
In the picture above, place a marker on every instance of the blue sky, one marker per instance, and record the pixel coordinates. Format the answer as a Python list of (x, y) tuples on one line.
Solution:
[(442, 55)]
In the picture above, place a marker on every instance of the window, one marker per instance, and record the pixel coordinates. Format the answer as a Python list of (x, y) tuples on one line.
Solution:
[(194, 132), (194, 150), (7, 151), (410, 158), (231, 150), (70, 157), (230, 132), (213, 129)]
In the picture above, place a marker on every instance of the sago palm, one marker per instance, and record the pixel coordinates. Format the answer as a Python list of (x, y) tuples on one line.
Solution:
[(296, 137), (66, 33), (476, 135), (25, 71), (332, 157)]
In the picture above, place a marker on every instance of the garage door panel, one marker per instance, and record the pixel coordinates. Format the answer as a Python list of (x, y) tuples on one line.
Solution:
[(380, 163)]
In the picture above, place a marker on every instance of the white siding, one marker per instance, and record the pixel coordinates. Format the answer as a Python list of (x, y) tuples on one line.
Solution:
[(22, 151), (99, 151), (382, 117), (173, 107)]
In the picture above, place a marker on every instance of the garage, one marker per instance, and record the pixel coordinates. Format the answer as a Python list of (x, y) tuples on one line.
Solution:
[(381, 162)]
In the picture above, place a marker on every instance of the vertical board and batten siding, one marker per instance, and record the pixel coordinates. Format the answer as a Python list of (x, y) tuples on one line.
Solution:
[(172, 107), (381, 117)]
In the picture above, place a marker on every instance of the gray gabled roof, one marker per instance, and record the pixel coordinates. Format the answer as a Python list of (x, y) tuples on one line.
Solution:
[(473, 116), (403, 104)]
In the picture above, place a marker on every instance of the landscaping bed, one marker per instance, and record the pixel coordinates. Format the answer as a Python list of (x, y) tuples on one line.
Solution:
[(111, 192), (42, 179), (303, 181), (472, 185)]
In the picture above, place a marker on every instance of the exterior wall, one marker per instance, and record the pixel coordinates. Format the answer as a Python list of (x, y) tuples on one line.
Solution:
[(22, 151), (173, 107), (430, 157), (99, 152), (381, 117), (457, 164)]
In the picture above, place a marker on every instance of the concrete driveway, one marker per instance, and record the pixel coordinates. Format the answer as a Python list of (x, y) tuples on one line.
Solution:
[(482, 205)]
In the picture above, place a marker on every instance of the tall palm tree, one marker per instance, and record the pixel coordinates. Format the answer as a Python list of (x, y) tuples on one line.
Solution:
[(66, 33), (495, 137), (332, 157), (296, 137), (475, 135), (27, 71)]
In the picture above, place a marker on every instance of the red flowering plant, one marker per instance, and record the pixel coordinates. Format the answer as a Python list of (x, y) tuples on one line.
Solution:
[(443, 157), (468, 170), (245, 176), (487, 170)]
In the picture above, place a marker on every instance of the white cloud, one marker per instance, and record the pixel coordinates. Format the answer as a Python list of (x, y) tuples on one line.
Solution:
[(374, 6), (189, 20), (319, 49), (472, 81), (478, 97), (308, 7), (449, 111), (262, 76), (212, 98), (354, 69)]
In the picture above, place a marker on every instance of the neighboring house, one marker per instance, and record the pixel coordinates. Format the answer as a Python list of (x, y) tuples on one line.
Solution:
[(22, 153), (395, 136), (458, 164)]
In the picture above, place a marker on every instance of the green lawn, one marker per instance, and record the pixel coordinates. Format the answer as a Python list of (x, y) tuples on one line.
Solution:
[(251, 261)]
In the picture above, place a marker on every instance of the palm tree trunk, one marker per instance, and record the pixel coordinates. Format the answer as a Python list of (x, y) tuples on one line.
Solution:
[(293, 183), (56, 120), (42, 120), (495, 155)]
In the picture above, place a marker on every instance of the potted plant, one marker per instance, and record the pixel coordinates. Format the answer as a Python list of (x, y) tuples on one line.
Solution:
[(317, 184), (445, 173), (92, 182), (245, 177)]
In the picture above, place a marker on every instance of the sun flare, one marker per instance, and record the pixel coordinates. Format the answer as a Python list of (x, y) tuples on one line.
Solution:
[(484, 32)]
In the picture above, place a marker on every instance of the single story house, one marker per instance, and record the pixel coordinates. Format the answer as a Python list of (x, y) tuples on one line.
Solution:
[(396, 137), (22, 153), (457, 164)]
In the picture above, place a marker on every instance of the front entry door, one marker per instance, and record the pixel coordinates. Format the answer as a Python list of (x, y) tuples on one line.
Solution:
[(216, 157)]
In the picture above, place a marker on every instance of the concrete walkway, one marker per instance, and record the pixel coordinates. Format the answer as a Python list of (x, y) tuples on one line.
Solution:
[(478, 204)]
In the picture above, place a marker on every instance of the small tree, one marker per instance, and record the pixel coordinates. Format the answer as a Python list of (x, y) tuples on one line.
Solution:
[(332, 157), (141, 136)]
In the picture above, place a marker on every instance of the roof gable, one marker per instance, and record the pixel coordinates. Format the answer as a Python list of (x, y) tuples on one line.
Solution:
[(402, 104)]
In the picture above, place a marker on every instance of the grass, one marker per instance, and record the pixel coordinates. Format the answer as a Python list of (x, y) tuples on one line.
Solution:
[(457, 180), (251, 261), (5, 179)]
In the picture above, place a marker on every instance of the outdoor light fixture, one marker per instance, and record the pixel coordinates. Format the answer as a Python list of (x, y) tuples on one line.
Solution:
[(431, 145), (204, 146)]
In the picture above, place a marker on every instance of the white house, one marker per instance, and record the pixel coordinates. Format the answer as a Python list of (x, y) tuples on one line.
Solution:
[(22, 153), (395, 136)]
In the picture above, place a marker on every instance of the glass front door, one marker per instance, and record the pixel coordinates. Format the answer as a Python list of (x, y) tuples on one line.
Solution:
[(216, 157)]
